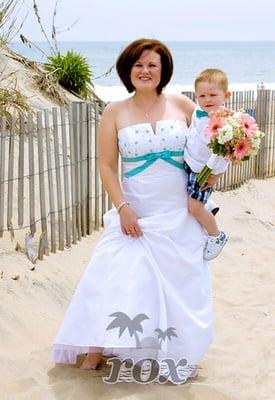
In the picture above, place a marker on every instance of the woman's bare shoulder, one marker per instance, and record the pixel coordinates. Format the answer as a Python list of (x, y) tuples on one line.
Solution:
[(182, 103), (112, 114), (180, 99), (115, 106)]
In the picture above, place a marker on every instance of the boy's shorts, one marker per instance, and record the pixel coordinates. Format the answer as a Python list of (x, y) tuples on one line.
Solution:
[(193, 189)]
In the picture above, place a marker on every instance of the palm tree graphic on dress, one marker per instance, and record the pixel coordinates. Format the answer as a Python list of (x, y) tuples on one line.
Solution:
[(168, 333), (123, 322)]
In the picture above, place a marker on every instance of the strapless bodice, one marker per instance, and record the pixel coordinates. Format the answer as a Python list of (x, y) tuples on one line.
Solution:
[(139, 139)]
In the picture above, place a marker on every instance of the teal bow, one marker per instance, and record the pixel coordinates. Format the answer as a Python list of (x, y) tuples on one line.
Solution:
[(150, 158), (201, 114)]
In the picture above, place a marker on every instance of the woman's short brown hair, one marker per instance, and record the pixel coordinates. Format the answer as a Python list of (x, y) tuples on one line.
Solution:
[(133, 52)]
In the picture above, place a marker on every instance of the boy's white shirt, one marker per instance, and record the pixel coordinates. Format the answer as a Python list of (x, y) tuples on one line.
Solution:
[(196, 152)]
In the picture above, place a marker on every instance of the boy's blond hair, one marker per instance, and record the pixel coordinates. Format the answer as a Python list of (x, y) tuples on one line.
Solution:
[(213, 75)]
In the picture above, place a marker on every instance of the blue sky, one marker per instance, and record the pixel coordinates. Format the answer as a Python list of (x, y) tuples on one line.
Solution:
[(165, 20)]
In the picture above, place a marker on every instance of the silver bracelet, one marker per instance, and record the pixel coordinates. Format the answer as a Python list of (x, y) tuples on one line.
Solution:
[(119, 207)]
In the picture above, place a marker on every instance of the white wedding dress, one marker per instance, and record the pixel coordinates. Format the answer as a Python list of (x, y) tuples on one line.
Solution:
[(150, 284)]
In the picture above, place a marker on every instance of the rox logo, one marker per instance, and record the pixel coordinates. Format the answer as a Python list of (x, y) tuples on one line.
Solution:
[(147, 369)]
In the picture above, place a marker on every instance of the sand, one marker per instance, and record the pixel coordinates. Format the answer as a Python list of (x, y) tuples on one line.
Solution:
[(20, 76), (240, 363)]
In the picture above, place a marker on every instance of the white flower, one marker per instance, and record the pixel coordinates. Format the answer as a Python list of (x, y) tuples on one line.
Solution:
[(225, 134), (237, 115), (256, 143), (259, 135), (234, 122)]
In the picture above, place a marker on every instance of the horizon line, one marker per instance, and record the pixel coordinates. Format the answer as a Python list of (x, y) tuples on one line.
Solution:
[(166, 40)]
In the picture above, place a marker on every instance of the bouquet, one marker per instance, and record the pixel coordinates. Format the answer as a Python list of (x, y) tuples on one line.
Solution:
[(235, 136)]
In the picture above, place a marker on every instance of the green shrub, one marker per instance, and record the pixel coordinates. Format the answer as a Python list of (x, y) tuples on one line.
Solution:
[(72, 72)]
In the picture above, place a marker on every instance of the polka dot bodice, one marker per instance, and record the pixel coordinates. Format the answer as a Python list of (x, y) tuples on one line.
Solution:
[(140, 139)]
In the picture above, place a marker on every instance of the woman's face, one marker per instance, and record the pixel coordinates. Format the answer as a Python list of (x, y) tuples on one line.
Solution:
[(146, 71)]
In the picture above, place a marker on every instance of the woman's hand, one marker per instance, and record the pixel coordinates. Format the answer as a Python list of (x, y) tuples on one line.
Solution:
[(211, 181), (129, 222)]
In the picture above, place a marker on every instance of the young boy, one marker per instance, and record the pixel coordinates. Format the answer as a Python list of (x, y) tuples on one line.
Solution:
[(211, 88)]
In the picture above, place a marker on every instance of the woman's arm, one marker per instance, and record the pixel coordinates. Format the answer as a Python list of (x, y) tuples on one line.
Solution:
[(108, 165), (108, 155)]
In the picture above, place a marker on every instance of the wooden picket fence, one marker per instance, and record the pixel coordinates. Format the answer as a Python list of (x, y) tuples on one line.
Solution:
[(50, 188), (57, 193)]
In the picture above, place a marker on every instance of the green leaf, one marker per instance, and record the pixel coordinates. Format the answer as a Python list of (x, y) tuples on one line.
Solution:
[(72, 72)]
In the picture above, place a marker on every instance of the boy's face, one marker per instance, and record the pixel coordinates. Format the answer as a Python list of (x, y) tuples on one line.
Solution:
[(210, 97)]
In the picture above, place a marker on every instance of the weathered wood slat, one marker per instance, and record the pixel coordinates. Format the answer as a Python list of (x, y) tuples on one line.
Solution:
[(66, 177), (272, 131), (11, 174), (58, 182), (2, 173), (31, 175), (73, 174), (261, 120), (90, 169), (50, 180), (43, 212), (77, 168), (21, 170), (83, 166)]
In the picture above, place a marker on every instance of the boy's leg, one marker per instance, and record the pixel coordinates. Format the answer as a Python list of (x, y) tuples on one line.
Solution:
[(204, 217), (214, 245), (197, 199)]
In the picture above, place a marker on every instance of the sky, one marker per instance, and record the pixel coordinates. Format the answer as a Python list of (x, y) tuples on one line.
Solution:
[(180, 20)]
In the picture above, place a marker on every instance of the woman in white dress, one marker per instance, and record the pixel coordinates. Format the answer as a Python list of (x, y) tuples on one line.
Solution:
[(146, 291)]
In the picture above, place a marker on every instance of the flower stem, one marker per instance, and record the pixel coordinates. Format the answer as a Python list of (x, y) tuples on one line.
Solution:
[(203, 176)]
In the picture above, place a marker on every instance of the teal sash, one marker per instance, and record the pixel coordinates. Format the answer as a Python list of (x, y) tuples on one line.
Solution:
[(150, 158)]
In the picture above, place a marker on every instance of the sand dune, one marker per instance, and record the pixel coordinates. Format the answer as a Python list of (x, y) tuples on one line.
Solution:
[(240, 364)]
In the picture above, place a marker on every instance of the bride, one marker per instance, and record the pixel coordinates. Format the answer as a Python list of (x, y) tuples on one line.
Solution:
[(146, 291)]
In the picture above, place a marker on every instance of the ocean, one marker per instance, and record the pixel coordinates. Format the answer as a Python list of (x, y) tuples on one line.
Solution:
[(246, 63)]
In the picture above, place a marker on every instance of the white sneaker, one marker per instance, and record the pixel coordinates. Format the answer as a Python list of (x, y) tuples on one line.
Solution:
[(212, 207), (214, 245)]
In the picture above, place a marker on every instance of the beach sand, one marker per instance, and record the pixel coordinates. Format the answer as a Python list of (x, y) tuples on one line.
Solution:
[(240, 363)]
